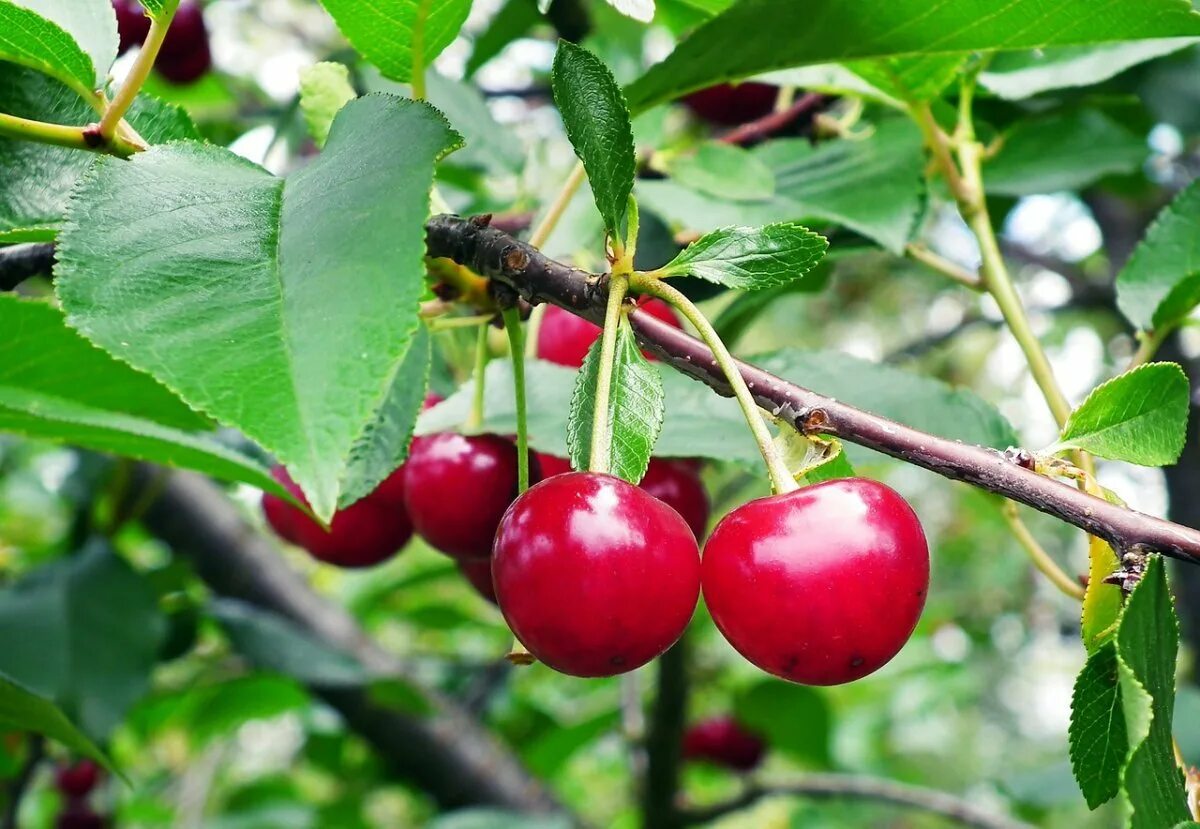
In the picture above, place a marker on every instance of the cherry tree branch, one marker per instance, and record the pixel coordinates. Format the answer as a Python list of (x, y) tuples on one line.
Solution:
[(853, 787), (762, 128), (537, 279)]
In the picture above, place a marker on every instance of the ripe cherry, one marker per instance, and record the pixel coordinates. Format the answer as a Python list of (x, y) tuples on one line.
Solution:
[(185, 56), (77, 779), (363, 534), (132, 23), (729, 105), (678, 486), (552, 465), (822, 585), (457, 488), (78, 815), (723, 741), (479, 573), (594, 576), (564, 338)]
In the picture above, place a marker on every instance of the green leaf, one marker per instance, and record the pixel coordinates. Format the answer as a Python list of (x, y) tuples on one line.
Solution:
[(515, 18), (45, 35), (23, 710), (920, 78), (324, 89), (872, 186), (1098, 739), (383, 444), (597, 123), (85, 632), (737, 316), (495, 819), (751, 257), (637, 406), (725, 171), (1063, 151), (1147, 642), (1139, 417), (792, 718), (1017, 75), (156, 8), (401, 37), (204, 712), (830, 31), (91, 400), (37, 179), (242, 293), (640, 10), (271, 641), (1160, 284)]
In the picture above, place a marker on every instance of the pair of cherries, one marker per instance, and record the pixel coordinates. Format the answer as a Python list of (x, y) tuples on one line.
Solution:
[(76, 781), (185, 55)]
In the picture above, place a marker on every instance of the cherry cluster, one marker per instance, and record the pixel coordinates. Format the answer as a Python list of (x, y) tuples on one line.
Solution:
[(185, 56), (596, 576), (75, 782)]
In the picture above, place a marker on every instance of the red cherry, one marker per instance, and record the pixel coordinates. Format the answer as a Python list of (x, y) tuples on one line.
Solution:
[(552, 465), (564, 338), (479, 573), (730, 105), (77, 779), (363, 534), (822, 585), (78, 815), (593, 575), (677, 486), (457, 488), (723, 742), (132, 24), (185, 56)]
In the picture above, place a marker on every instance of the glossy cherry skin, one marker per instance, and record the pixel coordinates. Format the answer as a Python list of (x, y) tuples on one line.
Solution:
[(729, 105), (132, 23), (478, 572), (678, 486), (552, 465), (457, 488), (185, 55), (820, 586), (594, 576), (564, 338), (723, 742), (77, 779), (363, 534)]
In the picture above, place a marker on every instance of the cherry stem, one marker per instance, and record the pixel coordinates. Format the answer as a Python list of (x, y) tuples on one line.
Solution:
[(598, 460), (781, 477), (475, 420), (1038, 555), (512, 326), (115, 111)]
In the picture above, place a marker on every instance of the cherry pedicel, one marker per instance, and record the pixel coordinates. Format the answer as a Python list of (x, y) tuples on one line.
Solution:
[(724, 742), (77, 779), (594, 576), (457, 488), (363, 534), (564, 338), (820, 586)]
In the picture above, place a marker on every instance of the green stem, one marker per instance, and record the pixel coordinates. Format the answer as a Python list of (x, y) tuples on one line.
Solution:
[(781, 478), (601, 427), (1150, 342), (1038, 555), (559, 206), (512, 325), (137, 75), (475, 419), (936, 262), (24, 129), (450, 323)]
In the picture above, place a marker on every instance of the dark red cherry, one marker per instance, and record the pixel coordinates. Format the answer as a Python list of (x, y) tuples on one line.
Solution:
[(479, 573), (132, 24), (457, 487), (822, 585), (552, 465), (594, 576), (729, 105), (724, 742), (185, 54), (363, 534), (678, 486), (78, 815), (564, 338), (77, 779)]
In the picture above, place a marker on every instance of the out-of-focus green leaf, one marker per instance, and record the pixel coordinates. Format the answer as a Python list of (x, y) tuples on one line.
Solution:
[(1016, 75), (23, 710), (1160, 284), (794, 719), (725, 171), (324, 89)]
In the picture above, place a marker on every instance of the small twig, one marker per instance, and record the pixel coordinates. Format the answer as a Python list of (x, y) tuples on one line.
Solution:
[(762, 128), (852, 787), (20, 784), (20, 262), (944, 266)]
